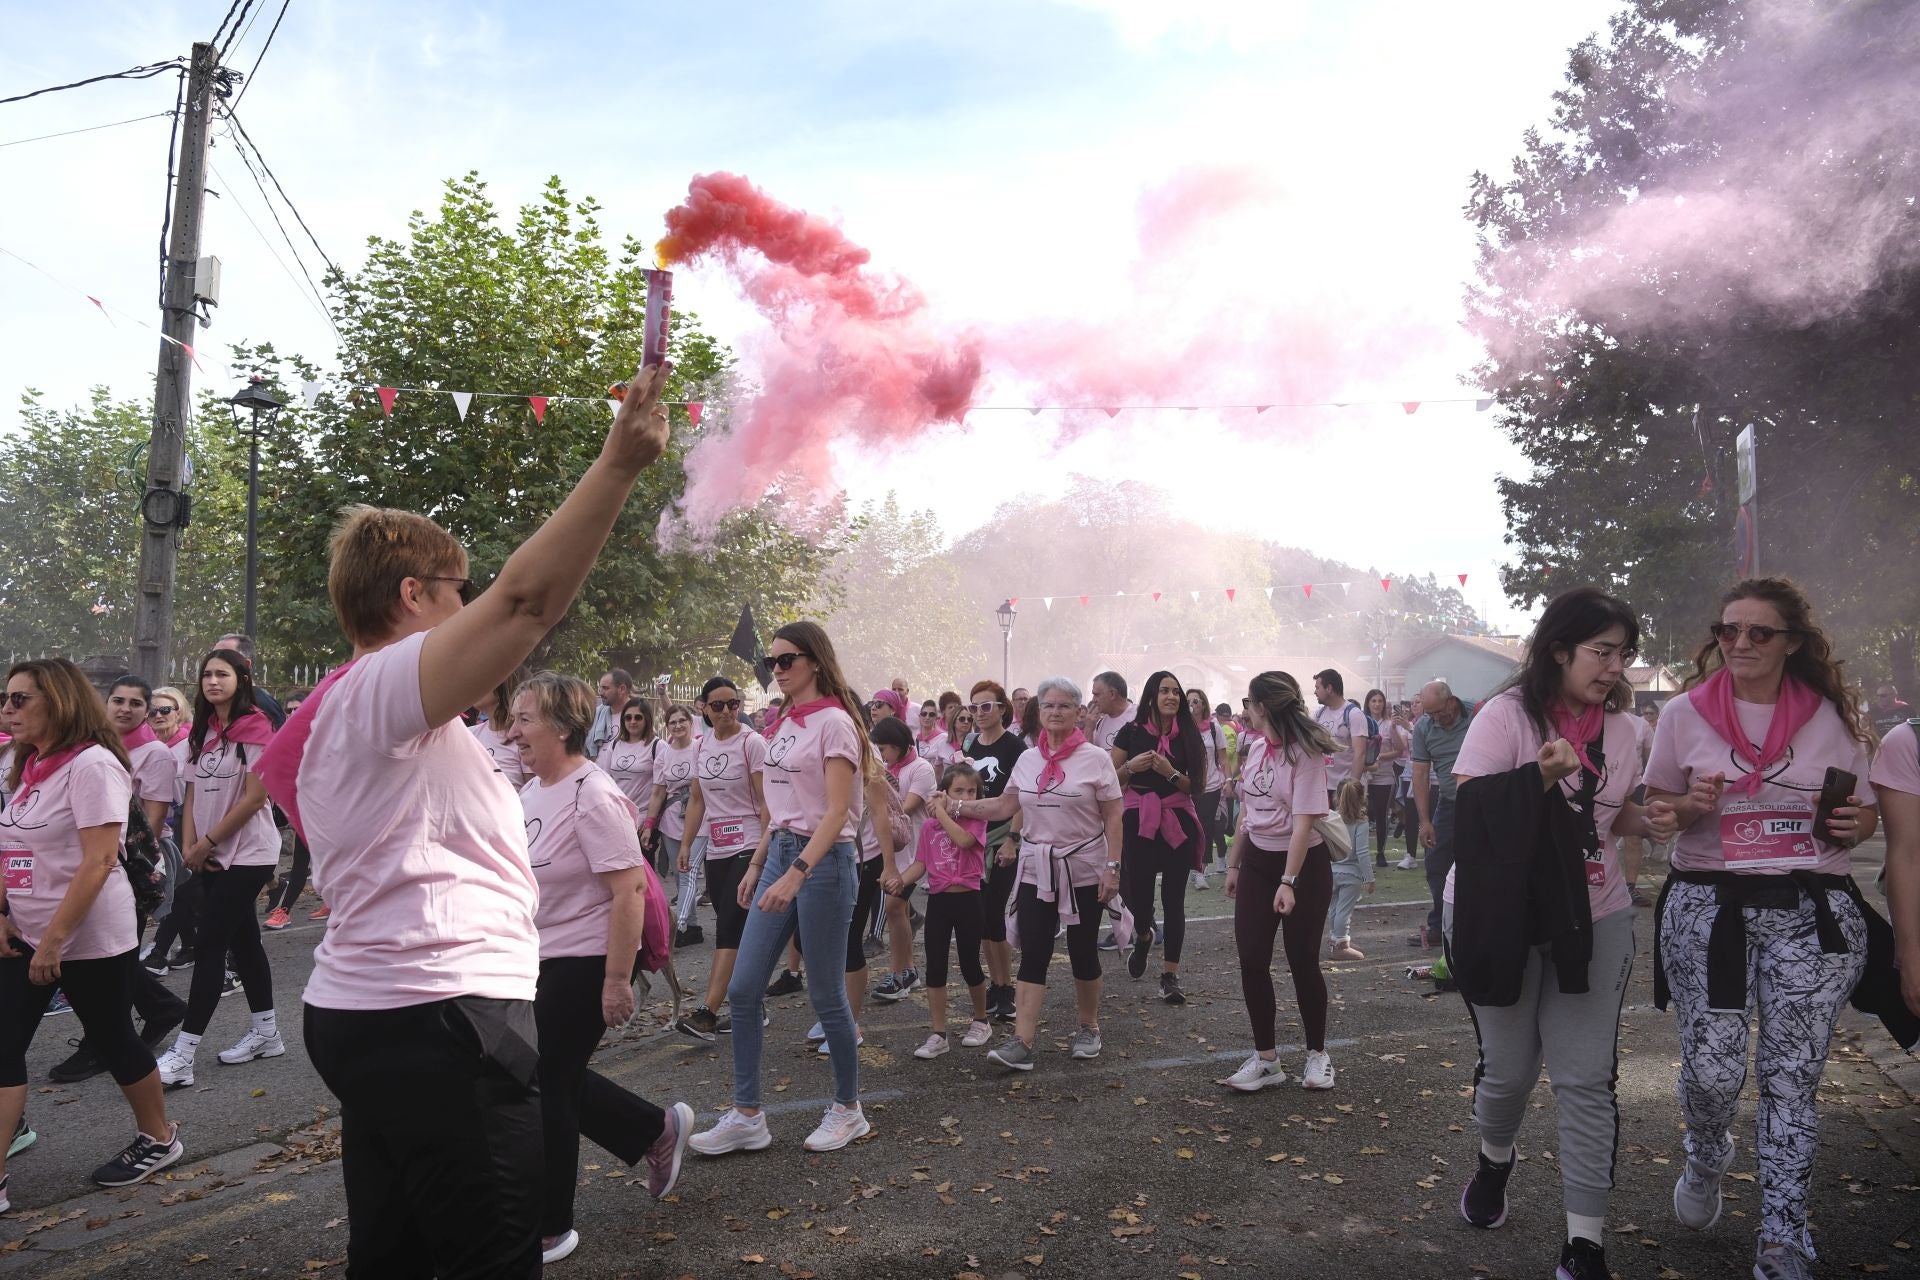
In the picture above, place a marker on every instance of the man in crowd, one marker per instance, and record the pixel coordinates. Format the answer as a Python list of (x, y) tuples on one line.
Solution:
[(1110, 709), (899, 686), (616, 690), (1888, 711), (1338, 717), (1437, 737)]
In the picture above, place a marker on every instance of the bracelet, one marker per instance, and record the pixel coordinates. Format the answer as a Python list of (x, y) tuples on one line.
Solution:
[(800, 865)]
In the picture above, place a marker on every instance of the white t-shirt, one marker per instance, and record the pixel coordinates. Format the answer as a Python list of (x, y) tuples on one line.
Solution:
[(578, 829), (40, 849)]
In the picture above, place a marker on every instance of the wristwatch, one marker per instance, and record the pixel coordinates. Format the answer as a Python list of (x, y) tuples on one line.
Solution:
[(1288, 880)]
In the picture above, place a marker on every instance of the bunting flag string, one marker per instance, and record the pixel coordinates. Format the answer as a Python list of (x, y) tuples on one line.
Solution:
[(1195, 593)]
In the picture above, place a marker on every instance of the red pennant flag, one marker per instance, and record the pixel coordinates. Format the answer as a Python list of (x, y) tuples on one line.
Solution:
[(1156, 597), (1013, 599), (1083, 601), (539, 404), (1463, 579), (1386, 584), (103, 309), (1309, 590), (1111, 413), (1260, 409), (387, 396), (1230, 592), (694, 410), (1411, 406)]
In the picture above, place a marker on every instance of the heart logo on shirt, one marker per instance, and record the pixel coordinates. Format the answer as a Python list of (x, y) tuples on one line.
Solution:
[(713, 767), (19, 811), (1748, 832), (781, 745), (533, 832)]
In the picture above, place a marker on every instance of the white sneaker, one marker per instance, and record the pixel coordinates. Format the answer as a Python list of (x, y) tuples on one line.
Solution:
[(837, 1128), (1405, 864), (936, 1044), (1319, 1072), (1200, 880), (977, 1034), (735, 1132), (176, 1069), (561, 1247), (254, 1045), (859, 1039), (1257, 1073), (816, 1032)]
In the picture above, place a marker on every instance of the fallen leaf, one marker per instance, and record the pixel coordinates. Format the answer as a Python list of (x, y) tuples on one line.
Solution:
[(753, 1258), (1185, 1153), (774, 1215)]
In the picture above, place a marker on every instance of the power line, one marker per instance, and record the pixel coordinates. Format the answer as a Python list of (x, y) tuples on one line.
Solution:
[(232, 9), (271, 32), (68, 133), (146, 72), (234, 38), (291, 207), (321, 305), (247, 30), (166, 197)]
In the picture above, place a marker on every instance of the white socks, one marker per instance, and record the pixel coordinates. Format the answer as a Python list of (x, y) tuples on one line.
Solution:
[(184, 1044), (266, 1024), (1499, 1155), (1591, 1226)]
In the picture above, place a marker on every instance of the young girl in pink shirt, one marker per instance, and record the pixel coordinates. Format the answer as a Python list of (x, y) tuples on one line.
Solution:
[(951, 858)]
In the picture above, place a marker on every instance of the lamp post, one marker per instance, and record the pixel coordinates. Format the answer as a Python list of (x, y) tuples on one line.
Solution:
[(1006, 614), (264, 409)]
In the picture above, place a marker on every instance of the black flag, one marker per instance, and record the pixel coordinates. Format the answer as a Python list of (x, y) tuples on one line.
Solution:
[(745, 646)]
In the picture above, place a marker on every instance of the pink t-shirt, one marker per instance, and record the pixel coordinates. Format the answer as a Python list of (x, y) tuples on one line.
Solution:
[(1106, 728), (578, 829), (1393, 748), (796, 771), (1897, 766), (180, 762), (505, 755), (216, 782), (729, 812), (630, 765), (948, 865), (1502, 738), (155, 775), (917, 779), (1067, 813), (673, 769), (40, 849), (1274, 787), (417, 845), (1770, 832)]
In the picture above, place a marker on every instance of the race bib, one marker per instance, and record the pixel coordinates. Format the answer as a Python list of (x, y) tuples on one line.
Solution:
[(1768, 834), (726, 836), (1596, 874), (20, 872)]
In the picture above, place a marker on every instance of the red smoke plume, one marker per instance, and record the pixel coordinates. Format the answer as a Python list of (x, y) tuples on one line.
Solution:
[(852, 356)]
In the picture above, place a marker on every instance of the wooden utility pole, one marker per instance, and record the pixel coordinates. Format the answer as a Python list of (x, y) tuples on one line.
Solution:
[(162, 507)]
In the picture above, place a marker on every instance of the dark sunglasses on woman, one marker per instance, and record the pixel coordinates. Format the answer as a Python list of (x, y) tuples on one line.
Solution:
[(1760, 635)]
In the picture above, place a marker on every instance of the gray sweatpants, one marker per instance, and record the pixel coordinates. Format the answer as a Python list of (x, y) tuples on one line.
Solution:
[(1577, 1038)]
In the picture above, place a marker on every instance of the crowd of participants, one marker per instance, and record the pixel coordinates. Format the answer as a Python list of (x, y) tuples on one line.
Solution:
[(500, 851)]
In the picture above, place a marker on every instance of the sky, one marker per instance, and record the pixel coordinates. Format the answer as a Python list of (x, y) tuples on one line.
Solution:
[(1021, 162)]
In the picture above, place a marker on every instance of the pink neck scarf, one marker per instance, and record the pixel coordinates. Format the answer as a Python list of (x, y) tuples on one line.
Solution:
[(897, 769), (800, 713), (1054, 771), (1581, 731), (39, 768), (1713, 699), (179, 735), (140, 737)]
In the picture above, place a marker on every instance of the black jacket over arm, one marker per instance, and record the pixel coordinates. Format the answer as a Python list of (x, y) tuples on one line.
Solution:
[(1520, 881)]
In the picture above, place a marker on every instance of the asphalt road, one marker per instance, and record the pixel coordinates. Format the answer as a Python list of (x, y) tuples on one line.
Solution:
[(1136, 1164)]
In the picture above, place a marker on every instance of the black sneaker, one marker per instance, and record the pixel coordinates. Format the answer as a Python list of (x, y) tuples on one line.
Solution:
[(1484, 1203), (143, 1158), (81, 1064), (787, 983), (1582, 1259), (702, 1024), (230, 985), (180, 960), (1170, 989), (689, 935), (1137, 958), (155, 964)]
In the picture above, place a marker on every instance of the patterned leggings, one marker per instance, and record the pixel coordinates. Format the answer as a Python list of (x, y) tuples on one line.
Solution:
[(1797, 991)]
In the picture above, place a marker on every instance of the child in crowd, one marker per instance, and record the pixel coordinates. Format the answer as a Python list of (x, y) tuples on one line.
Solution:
[(951, 857), (1353, 873)]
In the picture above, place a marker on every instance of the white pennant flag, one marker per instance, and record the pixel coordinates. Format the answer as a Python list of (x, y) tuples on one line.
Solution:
[(310, 392), (1195, 595), (1269, 593), (461, 399), (615, 406), (1346, 588), (1048, 601)]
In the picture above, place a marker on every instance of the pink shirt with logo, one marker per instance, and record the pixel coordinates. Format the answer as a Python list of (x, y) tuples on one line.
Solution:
[(1106, 728), (796, 772), (948, 865), (217, 780), (1502, 738), (673, 769), (1274, 788), (579, 829), (417, 843), (917, 779), (1897, 766), (505, 755), (1067, 813), (630, 765), (1771, 831), (729, 813), (155, 774), (40, 850)]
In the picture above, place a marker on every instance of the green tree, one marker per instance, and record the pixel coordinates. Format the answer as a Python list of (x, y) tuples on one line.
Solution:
[(1625, 395), (896, 608)]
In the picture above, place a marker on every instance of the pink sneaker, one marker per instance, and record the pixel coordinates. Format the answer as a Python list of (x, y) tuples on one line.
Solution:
[(668, 1150), (278, 918), (1343, 949), (322, 913)]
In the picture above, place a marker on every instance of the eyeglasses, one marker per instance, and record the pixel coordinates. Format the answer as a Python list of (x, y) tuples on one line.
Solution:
[(1607, 653), (464, 585), (929, 715), (161, 713), (784, 661), (17, 700), (981, 708), (729, 704), (1728, 633), (639, 719)]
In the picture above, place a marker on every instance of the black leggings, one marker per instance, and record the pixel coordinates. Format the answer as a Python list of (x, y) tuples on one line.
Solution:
[(1144, 860), (574, 1099), (1214, 830), (1379, 801), (1410, 815), (1000, 882), (182, 922), (954, 916), (1038, 921), (101, 993), (1254, 923), (723, 890), (229, 939), (296, 879), (865, 906)]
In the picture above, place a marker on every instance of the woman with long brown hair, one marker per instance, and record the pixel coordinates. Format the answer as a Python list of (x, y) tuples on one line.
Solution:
[(1163, 765)]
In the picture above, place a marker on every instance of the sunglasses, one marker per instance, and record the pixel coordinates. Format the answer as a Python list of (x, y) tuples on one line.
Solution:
[(783, 661), (463, 585), (1728, 633), (16, 700), (981, 708), (161, 713), (729, 704), (929, 715)]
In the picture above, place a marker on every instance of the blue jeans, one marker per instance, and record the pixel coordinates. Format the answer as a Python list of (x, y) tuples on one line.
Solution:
[(821, 911)]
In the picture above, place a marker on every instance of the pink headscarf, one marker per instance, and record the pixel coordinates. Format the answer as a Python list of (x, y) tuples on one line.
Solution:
[(893, 700)]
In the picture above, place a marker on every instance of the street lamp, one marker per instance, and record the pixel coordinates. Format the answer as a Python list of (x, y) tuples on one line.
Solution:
[(1006, 614), (264, 408)]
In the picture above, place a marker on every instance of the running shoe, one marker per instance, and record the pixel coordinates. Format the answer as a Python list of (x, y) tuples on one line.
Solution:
[(1200, 880), (689, 935), (978, 1033), (1000, 1003), (1170, 989), (23, 1137), (787, 983), (57, 1005), (1012, 1053), (1405, 864), (1319, 1071), (554, 1248), (277, 919), (838, 1127), (1343, 949), (825, 1051), (254, 1045), (176, 1070), (702, 1024), (735, 1132), (1582, 1259), (1137, 957), (1108, 942), (1780, 1264), (1696, 1196), (230, 984), (816, 1032), (668, 1150), (1084, 1043), (81, 1064), (179, 960), (5, 1204), (142, 1158), (890, 988), (154, 964), (1483, 1203), (1257, 1073), (321, 914), (933, 1047)]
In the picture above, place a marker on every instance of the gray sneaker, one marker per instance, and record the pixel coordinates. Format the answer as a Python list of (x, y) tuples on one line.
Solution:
[(1085, 1043), (1696, 1196), (1012, 1053), (1785, 1264)]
